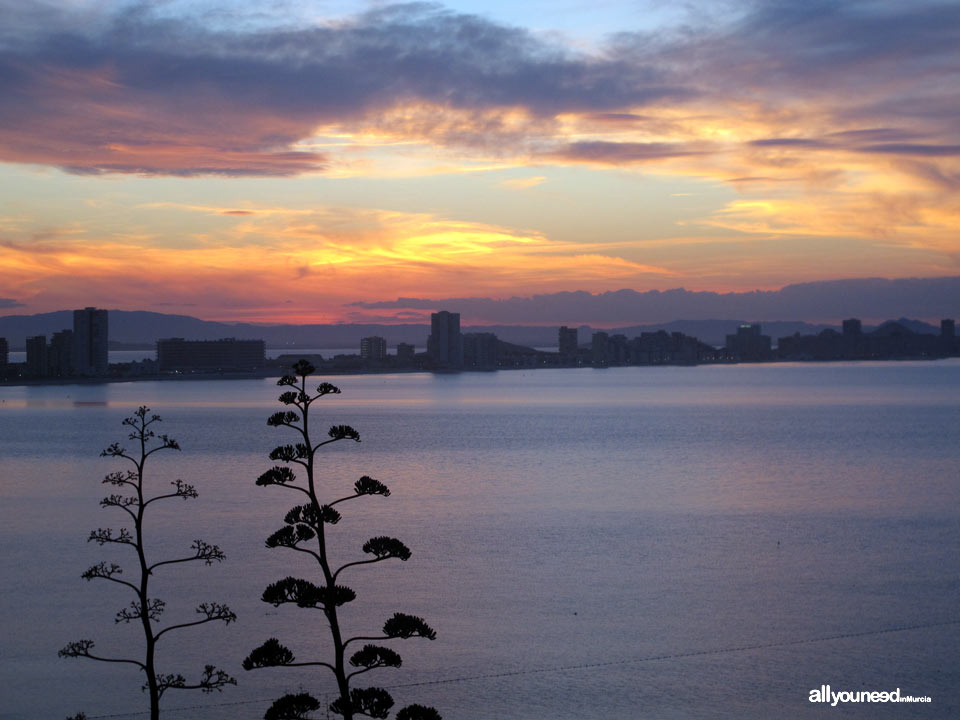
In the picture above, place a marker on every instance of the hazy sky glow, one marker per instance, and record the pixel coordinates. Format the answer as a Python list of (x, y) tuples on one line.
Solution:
[(282, 162)]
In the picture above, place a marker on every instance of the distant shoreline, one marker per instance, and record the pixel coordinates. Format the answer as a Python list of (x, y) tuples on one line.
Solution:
[(278, 372)]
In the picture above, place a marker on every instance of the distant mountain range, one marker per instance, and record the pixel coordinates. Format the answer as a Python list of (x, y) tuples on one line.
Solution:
[(870, 299), (141, 329), (533, 320)]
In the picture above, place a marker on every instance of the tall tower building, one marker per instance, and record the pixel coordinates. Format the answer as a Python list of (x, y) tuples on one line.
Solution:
[(480, 351), (60, 354), (406, 352), (90, 342), (748, 345), (600, 349), (373, 349), (445, 344), (37, 356), (567, 341)]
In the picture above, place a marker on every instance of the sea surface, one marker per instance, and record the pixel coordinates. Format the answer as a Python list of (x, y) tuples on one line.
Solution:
[(705, 542)]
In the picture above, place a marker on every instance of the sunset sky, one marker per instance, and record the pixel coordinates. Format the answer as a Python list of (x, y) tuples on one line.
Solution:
[(282, 160)]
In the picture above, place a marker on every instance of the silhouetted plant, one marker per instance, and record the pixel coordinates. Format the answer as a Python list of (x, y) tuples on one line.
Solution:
[(305, 532), (145, 609)]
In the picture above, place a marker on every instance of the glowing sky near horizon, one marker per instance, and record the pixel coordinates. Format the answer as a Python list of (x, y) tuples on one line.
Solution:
[(281, 162)]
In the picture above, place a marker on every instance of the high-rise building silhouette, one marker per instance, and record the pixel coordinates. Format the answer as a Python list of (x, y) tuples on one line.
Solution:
[(373, 348), (4, 352), (445, 344), (90, 342), (748, 344), (60, 354), (37, 356), (567, 341), (480, 351), (600, 349)]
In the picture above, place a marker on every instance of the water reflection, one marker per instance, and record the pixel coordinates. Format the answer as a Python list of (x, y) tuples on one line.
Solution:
[(826, 384)]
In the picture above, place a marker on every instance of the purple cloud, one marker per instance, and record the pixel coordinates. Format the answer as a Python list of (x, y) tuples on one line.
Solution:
[(913, 149), (867, 298), (617, 153), (135, 92)]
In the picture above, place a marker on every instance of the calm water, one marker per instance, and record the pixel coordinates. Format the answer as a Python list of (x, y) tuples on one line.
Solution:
[(635, 542)]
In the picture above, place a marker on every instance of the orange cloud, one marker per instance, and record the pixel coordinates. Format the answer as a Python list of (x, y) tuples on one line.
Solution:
[(525, 182), (257, 262), (833, 124)]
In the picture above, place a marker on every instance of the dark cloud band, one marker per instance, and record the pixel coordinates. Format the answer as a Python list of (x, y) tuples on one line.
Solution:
[(138, 93)]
